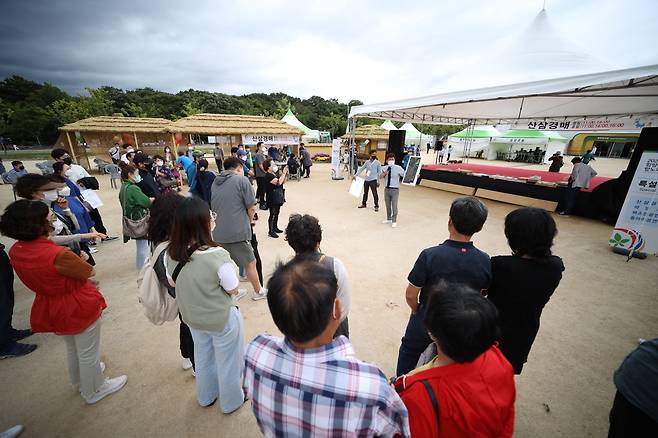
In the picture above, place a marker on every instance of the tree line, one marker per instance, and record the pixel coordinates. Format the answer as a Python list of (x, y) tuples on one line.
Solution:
[(31, 112)]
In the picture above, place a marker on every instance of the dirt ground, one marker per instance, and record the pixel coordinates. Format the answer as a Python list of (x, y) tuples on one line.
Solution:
[(601, 308)]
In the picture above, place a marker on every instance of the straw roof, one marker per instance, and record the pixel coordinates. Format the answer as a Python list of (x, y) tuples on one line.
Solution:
[(118, 124), (372, 132), (230, 124)]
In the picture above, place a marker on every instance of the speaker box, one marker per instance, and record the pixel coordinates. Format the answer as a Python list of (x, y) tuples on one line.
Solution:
[(396, 144)]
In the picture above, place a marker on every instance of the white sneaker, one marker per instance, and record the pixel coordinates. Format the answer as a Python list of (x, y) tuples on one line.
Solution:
[(260, 295), (240, 295), (12, 432), (194, 374), (93, 250), (186, 363), (394, 224), (109, 387), (387, 221)]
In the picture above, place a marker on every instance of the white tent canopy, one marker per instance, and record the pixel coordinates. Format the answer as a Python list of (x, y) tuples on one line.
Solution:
[(309, 134), (617, 93), (388, 125)]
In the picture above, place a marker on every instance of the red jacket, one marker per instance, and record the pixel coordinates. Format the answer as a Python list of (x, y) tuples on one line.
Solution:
[(63, 305), (476, 399)]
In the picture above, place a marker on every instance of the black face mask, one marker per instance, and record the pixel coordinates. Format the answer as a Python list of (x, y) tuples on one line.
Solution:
[(372, 158), (21, 167), (68, 161)]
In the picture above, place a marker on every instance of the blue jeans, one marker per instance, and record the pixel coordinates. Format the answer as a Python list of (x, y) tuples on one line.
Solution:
[(142, 246), (414, 342), (219, 362)]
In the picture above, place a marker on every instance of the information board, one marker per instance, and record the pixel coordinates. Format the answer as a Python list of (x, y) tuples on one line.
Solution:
[(412, 172)]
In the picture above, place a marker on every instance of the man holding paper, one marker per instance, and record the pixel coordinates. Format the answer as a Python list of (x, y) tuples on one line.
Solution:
[(372, 169)]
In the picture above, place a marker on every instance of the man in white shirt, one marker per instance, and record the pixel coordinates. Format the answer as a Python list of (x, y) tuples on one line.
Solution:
[(580, 177), (128, 149), (76, 171), (115, 151)]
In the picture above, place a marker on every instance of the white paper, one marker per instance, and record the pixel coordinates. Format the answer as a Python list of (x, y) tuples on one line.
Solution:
[(92, 198), (357, 187)]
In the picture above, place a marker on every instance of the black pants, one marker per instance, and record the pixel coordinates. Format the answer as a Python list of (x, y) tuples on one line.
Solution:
[(98, 221), (6, 300), (414, 342), (186, 341), (260, 189), (218, 162), (570, 197), (273, 220), (626, 420), (259, 263), (306, 172), (372, 185)]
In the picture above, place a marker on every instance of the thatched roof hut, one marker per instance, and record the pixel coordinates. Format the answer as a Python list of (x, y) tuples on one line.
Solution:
[(230, 124), (118, 124), (98, 133), (370, 138)]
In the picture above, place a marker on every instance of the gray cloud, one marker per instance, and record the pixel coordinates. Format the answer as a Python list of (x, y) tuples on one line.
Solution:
[(373, 51)]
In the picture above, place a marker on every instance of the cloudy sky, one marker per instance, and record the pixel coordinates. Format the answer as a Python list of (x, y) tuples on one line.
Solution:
[(368, 50)]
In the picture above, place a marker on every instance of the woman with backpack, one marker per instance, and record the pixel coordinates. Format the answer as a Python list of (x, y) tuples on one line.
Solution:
[(159, 229), (274, 194), (206, 280)]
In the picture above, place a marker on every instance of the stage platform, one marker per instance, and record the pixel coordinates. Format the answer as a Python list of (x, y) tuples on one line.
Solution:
[(506, 184), (514, 172)]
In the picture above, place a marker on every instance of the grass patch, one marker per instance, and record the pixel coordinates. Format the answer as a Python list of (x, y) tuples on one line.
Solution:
[(27, 154)]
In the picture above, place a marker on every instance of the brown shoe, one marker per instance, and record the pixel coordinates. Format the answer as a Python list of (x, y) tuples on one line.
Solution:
[(361, 206)]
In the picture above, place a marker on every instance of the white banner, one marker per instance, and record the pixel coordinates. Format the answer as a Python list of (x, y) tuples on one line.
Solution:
[(637, 225), (627, 123), (252, 139), (335, 158)]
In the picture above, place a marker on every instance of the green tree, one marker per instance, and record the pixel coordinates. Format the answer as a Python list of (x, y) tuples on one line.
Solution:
[(190, 109), (82, 107)]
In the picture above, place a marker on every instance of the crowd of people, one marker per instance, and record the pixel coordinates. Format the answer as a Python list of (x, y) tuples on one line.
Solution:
[(473, 318)]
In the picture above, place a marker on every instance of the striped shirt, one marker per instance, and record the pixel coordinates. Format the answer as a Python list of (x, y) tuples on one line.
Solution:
[(319, 392)]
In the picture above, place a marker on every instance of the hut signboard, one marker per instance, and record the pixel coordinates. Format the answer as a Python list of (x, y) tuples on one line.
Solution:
[(252, 139)]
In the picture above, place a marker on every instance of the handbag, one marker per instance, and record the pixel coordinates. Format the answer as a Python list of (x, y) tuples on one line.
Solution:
[(167, 182), (135, 228), (278, 195)]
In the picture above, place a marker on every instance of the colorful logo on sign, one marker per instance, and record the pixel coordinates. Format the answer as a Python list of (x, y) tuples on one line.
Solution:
[(626, 239)]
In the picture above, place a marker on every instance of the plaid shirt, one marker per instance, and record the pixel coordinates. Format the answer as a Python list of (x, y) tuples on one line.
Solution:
[(319, 392)]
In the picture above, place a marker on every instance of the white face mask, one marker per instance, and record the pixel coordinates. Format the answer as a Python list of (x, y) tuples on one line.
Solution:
[(66, 191), (275, 168), (391, 162), (50, 195), (243, 157), (264, 150)]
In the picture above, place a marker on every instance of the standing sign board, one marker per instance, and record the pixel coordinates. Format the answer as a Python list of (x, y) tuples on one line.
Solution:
[(412, 172), (335, 159), (637, 226)]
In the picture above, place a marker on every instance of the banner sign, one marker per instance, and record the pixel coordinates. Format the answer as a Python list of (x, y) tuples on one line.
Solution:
[(637, 226), (252, 139), (335, 158), (636, 123)]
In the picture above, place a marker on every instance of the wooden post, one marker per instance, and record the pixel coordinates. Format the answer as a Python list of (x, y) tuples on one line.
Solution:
[(68, 137), (174, 146), (135, 137)]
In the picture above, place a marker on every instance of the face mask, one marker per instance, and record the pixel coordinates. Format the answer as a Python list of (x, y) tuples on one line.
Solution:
[(137, 179), (275, 168), (391, 162), (68, 161), (264, 150), (21, 167), (243, 157), (66, 191), (50, 195), (372, 158), (189, 148)]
